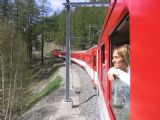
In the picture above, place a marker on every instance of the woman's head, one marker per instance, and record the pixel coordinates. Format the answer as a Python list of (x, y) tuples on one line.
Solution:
[(121, 57)]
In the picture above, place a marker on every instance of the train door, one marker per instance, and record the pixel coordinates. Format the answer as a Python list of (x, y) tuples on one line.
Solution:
[(120, 91)]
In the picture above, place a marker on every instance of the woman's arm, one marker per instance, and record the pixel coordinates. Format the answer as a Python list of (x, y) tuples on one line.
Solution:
[(124, 76)]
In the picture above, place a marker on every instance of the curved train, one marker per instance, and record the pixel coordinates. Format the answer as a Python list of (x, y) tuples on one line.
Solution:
[(135, 23)]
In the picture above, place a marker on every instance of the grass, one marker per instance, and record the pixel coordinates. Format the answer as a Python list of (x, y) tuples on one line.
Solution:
[(49, 53), (32, 98)]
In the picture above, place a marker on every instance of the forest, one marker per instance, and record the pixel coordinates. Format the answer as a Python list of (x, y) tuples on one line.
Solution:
[(26, 25)]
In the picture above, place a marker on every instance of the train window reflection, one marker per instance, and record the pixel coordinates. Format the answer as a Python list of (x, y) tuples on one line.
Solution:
[(120, 99), (120, 88)]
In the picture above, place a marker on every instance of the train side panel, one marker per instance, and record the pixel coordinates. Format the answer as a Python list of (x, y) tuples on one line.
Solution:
[(144, 35), (145, 83), (78, 58), (88, 61)]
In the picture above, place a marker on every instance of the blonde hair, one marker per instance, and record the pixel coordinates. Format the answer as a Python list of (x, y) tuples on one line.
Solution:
[(124, 52)]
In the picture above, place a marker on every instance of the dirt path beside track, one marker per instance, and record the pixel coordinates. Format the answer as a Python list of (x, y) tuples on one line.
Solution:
[(53, 106)]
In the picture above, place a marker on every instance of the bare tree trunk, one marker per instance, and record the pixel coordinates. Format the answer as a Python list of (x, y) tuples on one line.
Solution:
[(10, 87), (10, 84), (42, 48), (17, 7), (14, 86), (21, 86), (4, 8), (2, 59)]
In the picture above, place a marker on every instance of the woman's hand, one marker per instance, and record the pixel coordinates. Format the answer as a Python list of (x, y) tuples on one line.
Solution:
[(111, 76)]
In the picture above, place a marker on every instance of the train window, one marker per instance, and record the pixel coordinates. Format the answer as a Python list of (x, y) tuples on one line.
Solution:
[(120, 90), (103, 67), (103, 54), (94, 57), (80, 57)]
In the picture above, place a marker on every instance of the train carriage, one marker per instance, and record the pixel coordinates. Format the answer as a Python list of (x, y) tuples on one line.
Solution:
[(136, 23), (58, 53), (87, 59)]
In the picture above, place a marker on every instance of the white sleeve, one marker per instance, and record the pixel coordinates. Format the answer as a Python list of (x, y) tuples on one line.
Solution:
[(111, 70), (124, 76)]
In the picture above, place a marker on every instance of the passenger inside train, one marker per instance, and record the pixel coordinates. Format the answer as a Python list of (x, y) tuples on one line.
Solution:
[(119, 75), (121, 67)]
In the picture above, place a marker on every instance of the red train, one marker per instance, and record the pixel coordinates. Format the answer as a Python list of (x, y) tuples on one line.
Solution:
[(133, 22), (58, 53)]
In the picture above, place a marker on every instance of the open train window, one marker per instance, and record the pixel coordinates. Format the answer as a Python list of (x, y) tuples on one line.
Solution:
[(103, 53), (103, 67), (120, 90), (94, 62)]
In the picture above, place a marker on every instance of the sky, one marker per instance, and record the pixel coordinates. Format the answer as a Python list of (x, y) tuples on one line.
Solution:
[(57, 5)]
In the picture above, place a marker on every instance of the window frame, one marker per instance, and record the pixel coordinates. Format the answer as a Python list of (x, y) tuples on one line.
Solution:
[(112, 43)]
